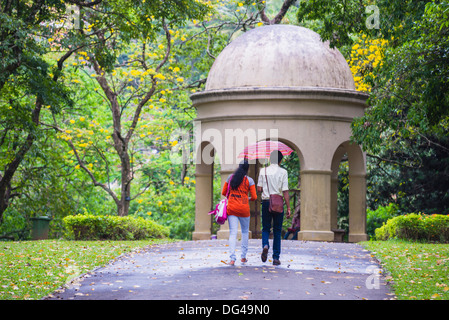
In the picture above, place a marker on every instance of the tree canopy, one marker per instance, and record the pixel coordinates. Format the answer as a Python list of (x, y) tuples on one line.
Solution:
[(402, 61)]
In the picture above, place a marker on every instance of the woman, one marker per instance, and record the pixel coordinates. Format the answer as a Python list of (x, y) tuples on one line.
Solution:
[(238, 207)]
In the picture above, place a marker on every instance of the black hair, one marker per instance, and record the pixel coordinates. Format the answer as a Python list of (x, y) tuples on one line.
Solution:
[(239, 174), (276, 157)]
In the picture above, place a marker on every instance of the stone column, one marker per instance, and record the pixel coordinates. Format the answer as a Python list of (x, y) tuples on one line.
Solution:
[(316, 205), (255, 222), (334, 200), (357, 208), (203, 201)]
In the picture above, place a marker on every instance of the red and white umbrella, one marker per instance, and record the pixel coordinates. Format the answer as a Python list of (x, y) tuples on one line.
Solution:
[(263, 149)]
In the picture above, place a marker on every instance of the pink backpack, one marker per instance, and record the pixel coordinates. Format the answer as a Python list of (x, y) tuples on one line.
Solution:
[(220, 210)]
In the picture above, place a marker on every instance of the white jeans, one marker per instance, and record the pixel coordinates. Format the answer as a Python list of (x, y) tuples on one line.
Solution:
[(233, 229)]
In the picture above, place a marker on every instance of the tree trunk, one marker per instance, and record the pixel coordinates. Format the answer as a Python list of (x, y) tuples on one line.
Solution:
[(11, 168), (123, 208), (281, 14)]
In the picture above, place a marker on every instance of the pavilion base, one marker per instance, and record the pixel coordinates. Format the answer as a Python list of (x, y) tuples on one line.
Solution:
[(308, 235), (201, 235), (358, 237)]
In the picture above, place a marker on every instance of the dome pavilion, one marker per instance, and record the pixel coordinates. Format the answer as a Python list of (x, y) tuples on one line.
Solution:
[(281, 82)]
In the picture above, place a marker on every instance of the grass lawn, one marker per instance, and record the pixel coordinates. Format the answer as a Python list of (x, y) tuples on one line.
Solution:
[(32, 269), (416, 270)]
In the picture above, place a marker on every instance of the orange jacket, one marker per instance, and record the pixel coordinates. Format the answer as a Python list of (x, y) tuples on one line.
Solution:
[(238, 202)]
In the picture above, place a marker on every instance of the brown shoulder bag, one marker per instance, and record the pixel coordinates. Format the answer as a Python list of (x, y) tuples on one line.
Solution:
[(276, 201)]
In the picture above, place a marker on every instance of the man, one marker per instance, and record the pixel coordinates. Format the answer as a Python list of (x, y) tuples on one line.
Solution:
[(273, 179)]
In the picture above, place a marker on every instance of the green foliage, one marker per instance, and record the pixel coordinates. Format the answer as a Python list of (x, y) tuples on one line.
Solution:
[(419, 186), (416, 227), (171, 206), (376, 218), (90, 227), (410, 91)]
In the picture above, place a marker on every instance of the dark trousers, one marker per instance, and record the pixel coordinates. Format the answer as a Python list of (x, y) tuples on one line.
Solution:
[(271, 220)]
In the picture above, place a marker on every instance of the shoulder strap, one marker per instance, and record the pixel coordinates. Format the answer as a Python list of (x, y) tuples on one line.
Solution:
[(229, 186), (266, 179)]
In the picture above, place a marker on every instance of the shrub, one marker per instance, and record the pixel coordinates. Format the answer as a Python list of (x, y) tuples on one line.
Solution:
[(90, 227), (416, 227), (376, 218)]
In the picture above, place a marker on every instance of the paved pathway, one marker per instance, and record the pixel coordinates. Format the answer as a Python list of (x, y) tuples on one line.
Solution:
[(196, 270)]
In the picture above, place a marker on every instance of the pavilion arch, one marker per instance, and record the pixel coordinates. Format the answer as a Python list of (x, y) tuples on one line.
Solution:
[(254, 171), (357, 190)]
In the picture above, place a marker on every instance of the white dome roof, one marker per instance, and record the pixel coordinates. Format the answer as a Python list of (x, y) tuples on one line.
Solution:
[(279, 56)]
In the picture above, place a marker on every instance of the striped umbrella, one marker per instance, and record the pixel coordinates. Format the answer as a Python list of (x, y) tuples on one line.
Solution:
[(263, 149)]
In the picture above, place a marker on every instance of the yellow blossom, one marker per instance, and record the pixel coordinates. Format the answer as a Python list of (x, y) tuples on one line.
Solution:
[(159, 76)]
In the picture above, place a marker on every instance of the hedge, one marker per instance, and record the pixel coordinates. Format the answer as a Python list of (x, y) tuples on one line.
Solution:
[(91, 227), (414, 226), (376, 218)]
